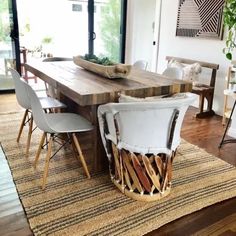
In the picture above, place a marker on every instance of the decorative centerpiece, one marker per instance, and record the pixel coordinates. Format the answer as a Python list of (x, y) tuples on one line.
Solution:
[(102, 66)]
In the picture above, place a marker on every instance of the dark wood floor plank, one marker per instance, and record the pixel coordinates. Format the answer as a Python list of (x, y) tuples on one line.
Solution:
[(14, 225), (7, 186), (224, 226), (11, 210), (199, 220), (8, 191), (8, 197), (5, 171), (20, 232), (5, 180), (9, 204)]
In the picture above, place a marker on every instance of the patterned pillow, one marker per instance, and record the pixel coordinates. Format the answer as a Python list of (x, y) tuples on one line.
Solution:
[(190, 72)]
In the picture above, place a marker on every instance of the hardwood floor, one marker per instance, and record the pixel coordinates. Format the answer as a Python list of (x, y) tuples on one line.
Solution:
[(12, 216), (219, 219)]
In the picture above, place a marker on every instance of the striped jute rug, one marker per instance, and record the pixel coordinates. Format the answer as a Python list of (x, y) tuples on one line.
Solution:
[(73, 205)]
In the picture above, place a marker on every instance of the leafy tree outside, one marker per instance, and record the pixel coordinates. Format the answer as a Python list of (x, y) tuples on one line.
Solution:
[(4, 22), (110, 29)]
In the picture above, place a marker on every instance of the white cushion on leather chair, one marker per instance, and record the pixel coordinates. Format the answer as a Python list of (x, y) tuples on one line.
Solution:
[(127, 98)]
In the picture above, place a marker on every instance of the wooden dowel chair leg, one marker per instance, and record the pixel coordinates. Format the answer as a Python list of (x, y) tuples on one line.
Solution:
[(29, 135), (45, 174), (22, 125), (74, 150), (80, 155), (39, 149)]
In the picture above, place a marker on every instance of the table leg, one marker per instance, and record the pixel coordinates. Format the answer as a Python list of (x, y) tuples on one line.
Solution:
[(99, 156), (223, 141)]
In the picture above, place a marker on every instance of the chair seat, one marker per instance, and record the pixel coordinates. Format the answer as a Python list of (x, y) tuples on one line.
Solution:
[(67, 123), (48, 102)]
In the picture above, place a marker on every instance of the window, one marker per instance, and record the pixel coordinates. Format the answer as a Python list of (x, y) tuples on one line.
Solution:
[(76, 7)]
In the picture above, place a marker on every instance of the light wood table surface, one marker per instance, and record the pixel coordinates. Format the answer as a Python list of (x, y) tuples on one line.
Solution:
[(86, 90)]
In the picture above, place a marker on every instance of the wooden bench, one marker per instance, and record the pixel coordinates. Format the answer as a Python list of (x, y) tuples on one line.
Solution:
[(24, 72), (205, 91)]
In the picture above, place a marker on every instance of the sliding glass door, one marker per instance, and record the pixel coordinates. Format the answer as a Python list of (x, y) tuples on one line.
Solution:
[(67, 28), (9, 43), (108, 22)]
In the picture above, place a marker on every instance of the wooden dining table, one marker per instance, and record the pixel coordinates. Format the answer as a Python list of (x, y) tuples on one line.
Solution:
[(84, 91)]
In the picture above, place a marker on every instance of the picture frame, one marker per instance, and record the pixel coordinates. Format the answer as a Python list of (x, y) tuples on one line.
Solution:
[(200, 19)]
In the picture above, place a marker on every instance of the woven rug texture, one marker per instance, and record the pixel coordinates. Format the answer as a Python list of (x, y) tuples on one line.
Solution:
[(74, 205)]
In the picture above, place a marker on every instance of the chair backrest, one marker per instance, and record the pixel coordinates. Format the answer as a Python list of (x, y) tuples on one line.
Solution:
[(38, 112), (20, 89), (173, 72), (145, 127), (141, 64), (48, 59)]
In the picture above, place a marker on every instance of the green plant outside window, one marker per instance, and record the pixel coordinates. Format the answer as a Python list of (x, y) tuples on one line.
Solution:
[(110, 29), (230, 22), (4, 23)]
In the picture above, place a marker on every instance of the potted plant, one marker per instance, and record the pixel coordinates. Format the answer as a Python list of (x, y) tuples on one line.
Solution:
[(230, 22), (46, 46), (232, 85)]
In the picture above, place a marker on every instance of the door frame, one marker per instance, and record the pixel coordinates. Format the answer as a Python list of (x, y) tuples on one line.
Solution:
[(14, 34), (155, 55), (123, 30), (153, 41), (92, 34)]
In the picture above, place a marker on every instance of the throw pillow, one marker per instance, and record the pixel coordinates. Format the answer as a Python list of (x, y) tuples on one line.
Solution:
[(190, 72)]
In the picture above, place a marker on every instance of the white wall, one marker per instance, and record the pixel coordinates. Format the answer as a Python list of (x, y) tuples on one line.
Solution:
[(141, 15), (232, 129), (209, 50)]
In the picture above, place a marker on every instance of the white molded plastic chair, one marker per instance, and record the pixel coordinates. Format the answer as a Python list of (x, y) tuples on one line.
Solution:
[(57, 123), (140, 64), (23, 100), (140, 140), (173, 72)]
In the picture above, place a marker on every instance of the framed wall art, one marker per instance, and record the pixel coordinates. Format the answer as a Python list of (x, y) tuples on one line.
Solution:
[(200, 18)]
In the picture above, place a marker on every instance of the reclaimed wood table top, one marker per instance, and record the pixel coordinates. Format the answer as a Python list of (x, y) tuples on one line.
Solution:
[(87, 88)]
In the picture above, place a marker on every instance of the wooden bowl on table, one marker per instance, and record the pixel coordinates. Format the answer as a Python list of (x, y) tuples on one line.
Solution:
[(109, 71)]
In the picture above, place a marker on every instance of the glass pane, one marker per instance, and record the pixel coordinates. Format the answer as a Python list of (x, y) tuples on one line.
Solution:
[(107, 20), (53, 27), (7, 57)]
